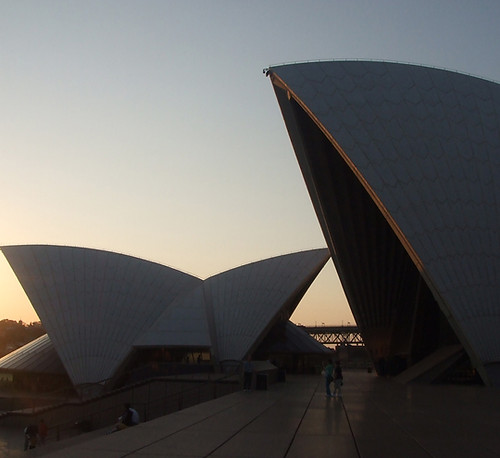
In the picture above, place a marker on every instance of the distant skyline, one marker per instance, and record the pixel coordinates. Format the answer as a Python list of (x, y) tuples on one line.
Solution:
[(149, 129)]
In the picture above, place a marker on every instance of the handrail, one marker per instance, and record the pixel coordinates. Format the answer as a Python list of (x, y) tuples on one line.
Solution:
[(152, 398)]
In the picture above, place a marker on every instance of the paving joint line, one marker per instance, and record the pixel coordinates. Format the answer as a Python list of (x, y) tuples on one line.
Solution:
[(301, 420), (238, 431), (180, 429)]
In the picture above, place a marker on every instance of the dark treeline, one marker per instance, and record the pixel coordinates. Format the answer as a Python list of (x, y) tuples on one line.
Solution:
[(15, 334)]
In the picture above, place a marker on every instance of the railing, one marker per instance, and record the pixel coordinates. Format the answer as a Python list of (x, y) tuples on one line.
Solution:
[(152, 399)]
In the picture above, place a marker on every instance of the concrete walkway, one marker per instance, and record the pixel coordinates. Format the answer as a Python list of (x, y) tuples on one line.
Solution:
[(375, 418)]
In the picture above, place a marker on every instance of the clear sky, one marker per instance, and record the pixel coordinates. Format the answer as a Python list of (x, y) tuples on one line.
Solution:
[(148, 127)]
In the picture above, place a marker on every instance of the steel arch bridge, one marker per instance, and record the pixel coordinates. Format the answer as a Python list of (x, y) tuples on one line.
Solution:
[(336, 335)]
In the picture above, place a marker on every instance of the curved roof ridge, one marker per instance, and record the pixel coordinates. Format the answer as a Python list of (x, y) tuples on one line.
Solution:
[(375, 60), (98, 250), (267, 259)]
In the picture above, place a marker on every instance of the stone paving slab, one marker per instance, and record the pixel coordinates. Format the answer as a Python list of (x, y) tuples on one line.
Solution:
[(376, 417)]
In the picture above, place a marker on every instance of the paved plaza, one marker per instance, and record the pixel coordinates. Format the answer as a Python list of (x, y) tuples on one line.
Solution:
[(375, 418)]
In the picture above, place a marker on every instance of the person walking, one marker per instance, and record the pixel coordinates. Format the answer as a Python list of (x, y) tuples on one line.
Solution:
[(338, 380), (328, 370)]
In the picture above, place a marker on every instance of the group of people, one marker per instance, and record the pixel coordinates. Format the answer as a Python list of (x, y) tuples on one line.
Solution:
[(34, 434), (333, 374)]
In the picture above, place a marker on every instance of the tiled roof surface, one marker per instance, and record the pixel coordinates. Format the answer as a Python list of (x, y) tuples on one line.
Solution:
[(427, 142)]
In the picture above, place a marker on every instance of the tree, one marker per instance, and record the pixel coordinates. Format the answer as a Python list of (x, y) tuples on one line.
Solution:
[(15, 334)]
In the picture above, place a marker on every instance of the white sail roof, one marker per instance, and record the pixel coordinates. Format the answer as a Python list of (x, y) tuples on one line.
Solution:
[(92, 303), (97, 305), (425, 143), (246, 301)]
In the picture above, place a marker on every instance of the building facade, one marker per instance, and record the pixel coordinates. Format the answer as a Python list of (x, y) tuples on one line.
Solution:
[(402, 164)]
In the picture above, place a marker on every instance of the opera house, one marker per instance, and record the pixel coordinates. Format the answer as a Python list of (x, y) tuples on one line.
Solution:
[(402, 164), (105, 312)]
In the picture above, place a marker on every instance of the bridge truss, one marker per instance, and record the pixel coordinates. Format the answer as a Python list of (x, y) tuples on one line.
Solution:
[(336, 335)]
